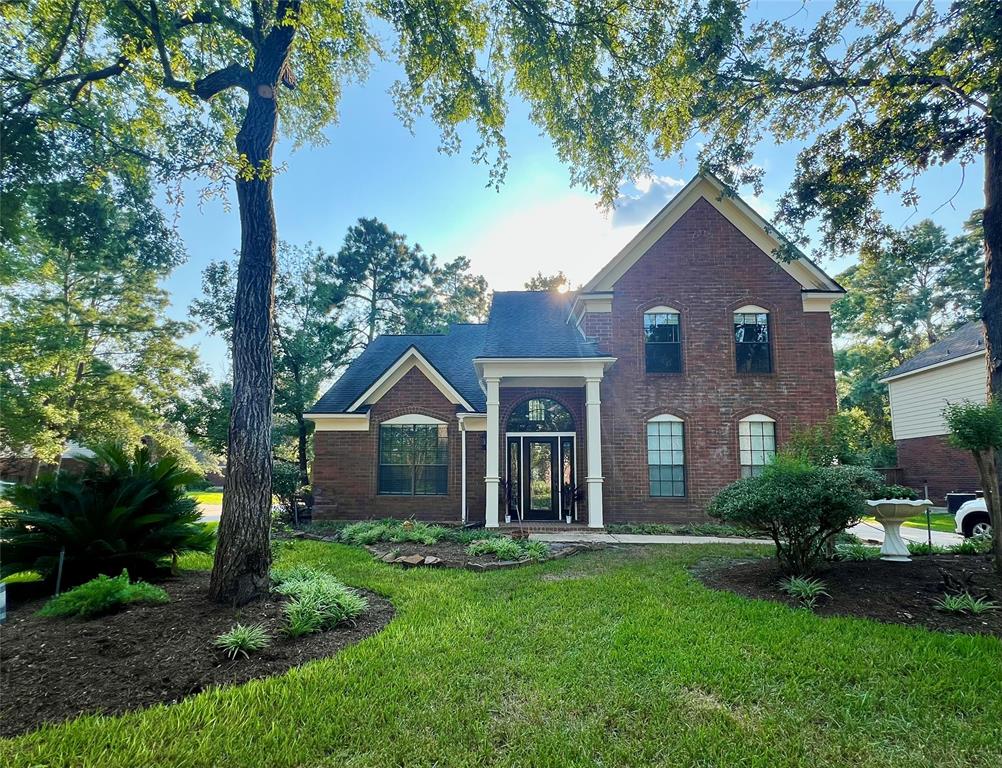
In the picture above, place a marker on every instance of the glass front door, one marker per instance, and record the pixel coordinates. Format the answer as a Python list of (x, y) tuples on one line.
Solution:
[(540, 479)]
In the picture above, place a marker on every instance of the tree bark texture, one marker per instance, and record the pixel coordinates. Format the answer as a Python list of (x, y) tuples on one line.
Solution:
[(991, 304), (989, 472), (240, 571)]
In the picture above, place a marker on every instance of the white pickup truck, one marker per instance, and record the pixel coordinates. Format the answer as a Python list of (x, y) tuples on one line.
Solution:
[(972, 519)]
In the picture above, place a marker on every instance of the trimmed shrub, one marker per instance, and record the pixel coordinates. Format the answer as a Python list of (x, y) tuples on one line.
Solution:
[(123, 512), (243, 639), (103, 595), (799, 506)]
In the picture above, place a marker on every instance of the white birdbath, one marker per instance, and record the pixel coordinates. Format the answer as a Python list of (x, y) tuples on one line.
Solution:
[(891, 513)]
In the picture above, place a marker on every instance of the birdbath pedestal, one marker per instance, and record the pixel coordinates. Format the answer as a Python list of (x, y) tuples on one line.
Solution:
[(891, 513)]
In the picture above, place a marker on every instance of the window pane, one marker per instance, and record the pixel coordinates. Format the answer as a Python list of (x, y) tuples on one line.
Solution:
[(662, 342), (413, 459), (540, 414), (395, 480), (431, 481), (666, 458), (751, 343), (756, 446)]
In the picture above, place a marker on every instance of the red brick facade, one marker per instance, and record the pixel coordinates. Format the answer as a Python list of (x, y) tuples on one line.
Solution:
[(704, 267), (345, 465), (930, 460)]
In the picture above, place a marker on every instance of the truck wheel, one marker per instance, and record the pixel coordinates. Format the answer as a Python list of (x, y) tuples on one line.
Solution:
[(977, 524)]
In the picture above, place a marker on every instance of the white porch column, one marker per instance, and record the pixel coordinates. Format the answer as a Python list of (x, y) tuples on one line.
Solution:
[(593, 418), (493, 478)]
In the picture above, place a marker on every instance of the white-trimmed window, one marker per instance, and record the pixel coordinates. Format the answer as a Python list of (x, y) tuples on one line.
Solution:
[(666, 456), (757, 443), (413, 456), (752, 340), (662, 340)]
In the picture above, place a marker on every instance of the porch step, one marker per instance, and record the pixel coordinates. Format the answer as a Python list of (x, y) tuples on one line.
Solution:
[(543, 527)]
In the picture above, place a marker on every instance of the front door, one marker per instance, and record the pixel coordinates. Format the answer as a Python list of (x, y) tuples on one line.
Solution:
[(541, 478)]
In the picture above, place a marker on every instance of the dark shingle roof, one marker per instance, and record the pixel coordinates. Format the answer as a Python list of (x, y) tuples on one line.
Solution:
[(964, 341), (451, 353), (534, 324), (521, 324)]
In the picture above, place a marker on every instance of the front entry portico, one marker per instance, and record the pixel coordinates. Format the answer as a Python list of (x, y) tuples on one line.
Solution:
[(532, 458)]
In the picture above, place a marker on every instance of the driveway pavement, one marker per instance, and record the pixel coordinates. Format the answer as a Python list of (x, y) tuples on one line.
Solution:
[(865, 531), (633, 538), (211, 512), (873, 532)]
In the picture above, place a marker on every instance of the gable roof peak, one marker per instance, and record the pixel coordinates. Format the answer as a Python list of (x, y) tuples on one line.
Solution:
[(706, 186)]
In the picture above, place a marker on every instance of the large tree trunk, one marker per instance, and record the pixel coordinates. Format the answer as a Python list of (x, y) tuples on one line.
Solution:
[(991, 304), (243, 553)]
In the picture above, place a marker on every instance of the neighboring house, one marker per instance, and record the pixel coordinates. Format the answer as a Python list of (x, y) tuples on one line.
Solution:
[(673, 372), (950, 371)]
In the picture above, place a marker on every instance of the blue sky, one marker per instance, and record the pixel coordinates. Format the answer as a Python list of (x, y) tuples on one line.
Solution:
[(373, 166)]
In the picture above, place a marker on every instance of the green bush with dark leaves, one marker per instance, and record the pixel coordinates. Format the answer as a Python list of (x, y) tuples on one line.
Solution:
[(123, 512), (799, 506), (101, 596)]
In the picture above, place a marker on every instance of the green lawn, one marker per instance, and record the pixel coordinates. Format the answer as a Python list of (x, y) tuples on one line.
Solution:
[(941, 522), (613, 658)]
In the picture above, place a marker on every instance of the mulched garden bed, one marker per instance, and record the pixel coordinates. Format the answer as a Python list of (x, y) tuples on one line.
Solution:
[(450, 554), (895, 593), (55, 669)]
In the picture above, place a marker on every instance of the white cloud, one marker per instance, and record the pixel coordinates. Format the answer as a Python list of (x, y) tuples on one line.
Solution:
[(653, 192), (567, 233)]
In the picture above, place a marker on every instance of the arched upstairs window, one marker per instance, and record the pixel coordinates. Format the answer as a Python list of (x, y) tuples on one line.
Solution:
[(540, 414), (757, 443), (752, 340), (666, 456), (662, 340)]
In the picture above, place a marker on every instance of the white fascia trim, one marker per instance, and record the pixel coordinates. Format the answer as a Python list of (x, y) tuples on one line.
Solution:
[(820, 301), (339, 422), (472, 422), (934, 366), (411, 358), (538, 367), (598, 303), (735, 210)]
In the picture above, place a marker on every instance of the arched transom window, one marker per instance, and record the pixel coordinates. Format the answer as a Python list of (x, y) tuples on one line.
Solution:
[(540, 414)]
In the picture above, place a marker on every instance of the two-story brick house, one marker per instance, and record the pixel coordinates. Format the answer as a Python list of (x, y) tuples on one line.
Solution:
[(676, 370)]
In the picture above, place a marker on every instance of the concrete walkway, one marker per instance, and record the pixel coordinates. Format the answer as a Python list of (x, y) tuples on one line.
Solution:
[(865, 531), (634, 538)]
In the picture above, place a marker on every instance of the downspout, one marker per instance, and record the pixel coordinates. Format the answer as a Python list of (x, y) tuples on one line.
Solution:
[(462, 439)]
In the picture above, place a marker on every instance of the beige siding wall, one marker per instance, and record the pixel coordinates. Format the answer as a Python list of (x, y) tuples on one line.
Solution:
[(917, 401)]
